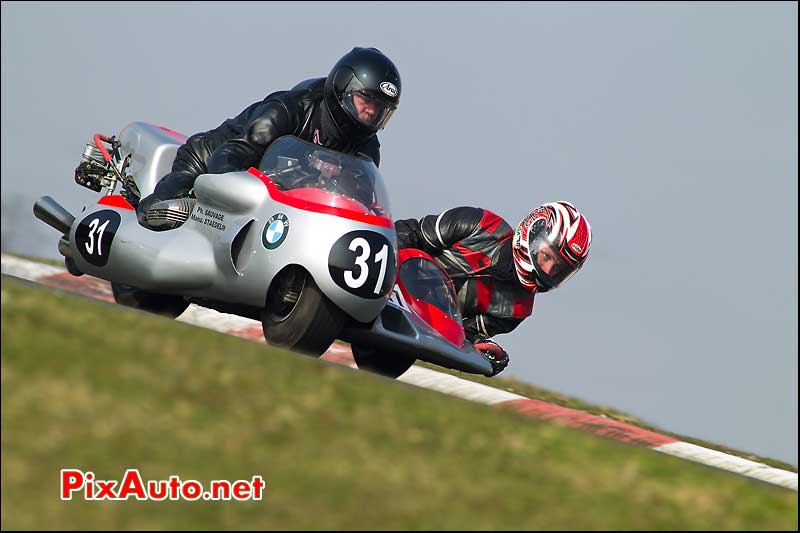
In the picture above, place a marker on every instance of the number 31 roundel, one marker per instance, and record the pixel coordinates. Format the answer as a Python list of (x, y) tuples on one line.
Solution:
[(363, 263), (95, 234)]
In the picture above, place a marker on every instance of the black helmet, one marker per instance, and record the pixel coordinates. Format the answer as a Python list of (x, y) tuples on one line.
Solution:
[(363, 80)]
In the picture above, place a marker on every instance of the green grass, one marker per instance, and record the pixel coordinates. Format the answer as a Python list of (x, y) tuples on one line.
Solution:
[(532, 391), (97, 387), (53, 262)]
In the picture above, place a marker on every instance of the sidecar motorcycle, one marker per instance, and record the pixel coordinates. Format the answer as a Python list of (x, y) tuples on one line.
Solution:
[(304, 243)]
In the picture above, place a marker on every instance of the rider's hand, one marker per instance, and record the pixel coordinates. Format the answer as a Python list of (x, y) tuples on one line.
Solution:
[(496, 355), (329, 170), (326, 168)]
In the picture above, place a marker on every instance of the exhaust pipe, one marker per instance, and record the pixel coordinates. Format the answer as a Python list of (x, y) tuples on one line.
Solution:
[(63, 247), (51, 213)]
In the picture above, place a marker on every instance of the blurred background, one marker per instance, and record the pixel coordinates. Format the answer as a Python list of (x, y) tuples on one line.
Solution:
[(672, 126)]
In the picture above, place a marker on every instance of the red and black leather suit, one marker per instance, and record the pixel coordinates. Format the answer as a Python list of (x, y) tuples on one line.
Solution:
[(474, 246)]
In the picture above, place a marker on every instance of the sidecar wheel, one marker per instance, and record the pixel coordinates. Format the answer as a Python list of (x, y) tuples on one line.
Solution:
[(298, 316), (379, 362), (168, 305)]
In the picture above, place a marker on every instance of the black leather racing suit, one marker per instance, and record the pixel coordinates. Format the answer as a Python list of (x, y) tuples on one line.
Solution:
[(474, 246), (240, 142)]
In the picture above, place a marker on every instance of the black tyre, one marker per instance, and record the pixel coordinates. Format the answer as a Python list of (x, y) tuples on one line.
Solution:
[(297, 316), (169, 305), (379, 362), (72, 268)]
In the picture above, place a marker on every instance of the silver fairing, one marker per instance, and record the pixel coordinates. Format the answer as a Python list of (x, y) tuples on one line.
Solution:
[(246, 227), (152, 152), (226, 250)]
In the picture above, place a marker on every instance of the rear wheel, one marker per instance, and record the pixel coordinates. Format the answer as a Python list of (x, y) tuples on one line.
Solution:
[(297, 316), (379, 362), (169, 305)]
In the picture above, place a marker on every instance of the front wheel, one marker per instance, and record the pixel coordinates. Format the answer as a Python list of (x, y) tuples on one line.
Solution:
[(168, 305), (298, 317), (386, 364)]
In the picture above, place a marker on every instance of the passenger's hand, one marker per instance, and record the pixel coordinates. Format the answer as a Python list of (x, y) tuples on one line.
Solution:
[(494, 353)]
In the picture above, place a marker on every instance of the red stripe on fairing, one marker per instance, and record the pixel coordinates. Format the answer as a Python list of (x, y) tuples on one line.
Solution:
[(181, 138), (450, 329), (115, 200), (318, 196), (305, 205), (436, 318), (594, 424), (410, 253)]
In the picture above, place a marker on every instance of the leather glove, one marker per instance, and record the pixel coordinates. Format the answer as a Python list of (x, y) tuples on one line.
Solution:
[(494, 353)]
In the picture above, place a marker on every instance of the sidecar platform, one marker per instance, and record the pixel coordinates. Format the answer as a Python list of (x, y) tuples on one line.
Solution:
[(395, 331)]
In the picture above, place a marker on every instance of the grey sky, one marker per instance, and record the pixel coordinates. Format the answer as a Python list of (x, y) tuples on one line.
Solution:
[(672, 126)]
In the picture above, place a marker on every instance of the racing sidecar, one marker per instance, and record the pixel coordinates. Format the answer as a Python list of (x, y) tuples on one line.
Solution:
[(304, 243), (421, 320)]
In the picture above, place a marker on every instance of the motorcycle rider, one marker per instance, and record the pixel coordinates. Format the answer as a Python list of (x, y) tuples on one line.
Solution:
[(498, 270), (342, 112)]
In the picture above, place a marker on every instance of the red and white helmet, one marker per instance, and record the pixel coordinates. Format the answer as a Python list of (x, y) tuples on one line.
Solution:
[(550, 245)]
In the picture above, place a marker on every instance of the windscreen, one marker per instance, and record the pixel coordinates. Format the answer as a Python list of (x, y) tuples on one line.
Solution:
[(311, 172), (426, 282)]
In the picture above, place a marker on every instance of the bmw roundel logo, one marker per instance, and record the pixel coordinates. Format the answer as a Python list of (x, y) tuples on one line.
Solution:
[(275, 231)]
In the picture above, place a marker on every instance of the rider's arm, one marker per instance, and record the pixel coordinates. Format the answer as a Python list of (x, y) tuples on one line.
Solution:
[(480, 328), (245, 151), (486, 326), (190, 162), (435, 233)]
